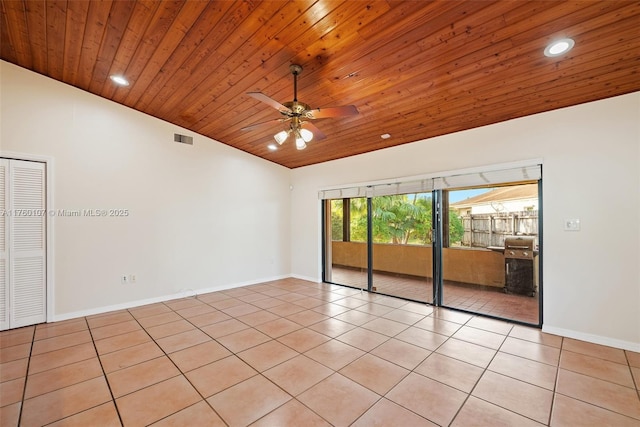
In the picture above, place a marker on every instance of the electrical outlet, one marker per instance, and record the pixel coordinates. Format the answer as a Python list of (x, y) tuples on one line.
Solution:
[(124, 279), (132, 278)]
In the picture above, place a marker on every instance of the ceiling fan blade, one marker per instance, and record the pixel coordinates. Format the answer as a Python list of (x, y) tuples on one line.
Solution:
[(257, 125), (321, 113), (317, 133), (271, 102)]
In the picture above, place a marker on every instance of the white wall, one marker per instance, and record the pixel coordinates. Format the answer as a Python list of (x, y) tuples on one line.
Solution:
[(195, 209), (591, 171), (202, 217)]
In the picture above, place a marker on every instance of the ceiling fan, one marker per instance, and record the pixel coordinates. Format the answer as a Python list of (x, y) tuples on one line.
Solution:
[(298, 114)]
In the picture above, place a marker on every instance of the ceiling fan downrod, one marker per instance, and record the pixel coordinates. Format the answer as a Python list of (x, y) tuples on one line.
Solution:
[(295, 70)]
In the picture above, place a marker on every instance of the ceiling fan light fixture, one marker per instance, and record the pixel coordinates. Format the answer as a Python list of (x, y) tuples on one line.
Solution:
[(306, 134), (300, 144), (281, 136), (559, 47)]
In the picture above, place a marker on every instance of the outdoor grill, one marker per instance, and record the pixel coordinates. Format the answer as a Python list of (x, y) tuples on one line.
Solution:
[(518, 260)]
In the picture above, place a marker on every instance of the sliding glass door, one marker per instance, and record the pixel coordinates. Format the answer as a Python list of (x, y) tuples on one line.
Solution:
[(469, 241), (401, 247), (346, 236), (490, 251)]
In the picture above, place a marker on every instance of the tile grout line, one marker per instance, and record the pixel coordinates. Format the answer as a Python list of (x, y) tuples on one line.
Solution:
[(555, 383), (183, 374), (382, 396), (165, 354), (26, 375), (369, 352), (633, 378), (261, 373), (595, 378), (84, 319), (104, 374), (333, 370), (485, 370), (466, 399), (300, 354)]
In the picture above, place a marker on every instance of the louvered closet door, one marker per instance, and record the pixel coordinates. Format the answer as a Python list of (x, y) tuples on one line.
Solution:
[(4, 244), (27, 244)]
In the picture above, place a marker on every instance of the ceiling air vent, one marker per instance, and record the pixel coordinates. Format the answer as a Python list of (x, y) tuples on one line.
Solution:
[(183, 139)]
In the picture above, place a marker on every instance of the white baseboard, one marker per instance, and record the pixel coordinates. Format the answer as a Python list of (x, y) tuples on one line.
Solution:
[(187, 292), (182, 293), (595, 339), (308, 279)]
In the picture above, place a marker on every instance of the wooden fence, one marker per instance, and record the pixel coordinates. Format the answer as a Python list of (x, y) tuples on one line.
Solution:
[(482, 230)]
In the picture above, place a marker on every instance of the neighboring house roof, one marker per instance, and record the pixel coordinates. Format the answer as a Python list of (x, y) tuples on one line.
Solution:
[(501, 194)]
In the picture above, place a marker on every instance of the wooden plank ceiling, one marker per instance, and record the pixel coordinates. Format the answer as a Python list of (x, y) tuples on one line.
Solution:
[(414, 69)]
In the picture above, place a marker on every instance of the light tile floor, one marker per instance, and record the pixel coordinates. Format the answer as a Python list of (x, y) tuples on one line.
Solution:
[(296, 353)]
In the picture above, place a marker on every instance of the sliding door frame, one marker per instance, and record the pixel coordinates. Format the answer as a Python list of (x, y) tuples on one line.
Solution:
[(436, 247), (439, 216)]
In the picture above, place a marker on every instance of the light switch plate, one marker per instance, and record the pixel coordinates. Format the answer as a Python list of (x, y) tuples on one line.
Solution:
[(572, 224)]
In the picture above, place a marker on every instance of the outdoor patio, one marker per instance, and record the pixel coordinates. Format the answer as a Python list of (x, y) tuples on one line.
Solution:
[(474, 298)]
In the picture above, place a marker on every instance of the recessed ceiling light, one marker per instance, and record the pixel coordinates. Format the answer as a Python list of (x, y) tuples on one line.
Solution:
[(558, 47), (119, 80), (385, 136), (272, 147)]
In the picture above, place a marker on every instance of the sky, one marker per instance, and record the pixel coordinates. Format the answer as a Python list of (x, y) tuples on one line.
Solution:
[(456, 196)]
